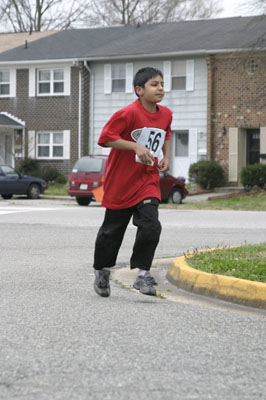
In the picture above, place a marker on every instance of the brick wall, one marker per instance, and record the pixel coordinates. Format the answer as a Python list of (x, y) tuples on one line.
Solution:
[(53, 113), (236, 98)]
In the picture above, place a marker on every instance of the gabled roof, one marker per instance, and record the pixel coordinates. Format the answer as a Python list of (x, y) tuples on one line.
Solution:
[(12, 40), (183, 37), (9, 121)]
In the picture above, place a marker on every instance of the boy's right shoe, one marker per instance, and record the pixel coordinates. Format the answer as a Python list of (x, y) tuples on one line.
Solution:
[(145, 285), (101, 283)]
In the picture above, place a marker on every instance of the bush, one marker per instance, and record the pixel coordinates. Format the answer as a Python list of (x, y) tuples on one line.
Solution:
[(28, 166), (207, 174), (253, 175), (51, 174), (31, 167)]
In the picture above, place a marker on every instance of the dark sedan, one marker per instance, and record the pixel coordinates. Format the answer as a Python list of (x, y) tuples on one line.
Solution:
[(12, 182)]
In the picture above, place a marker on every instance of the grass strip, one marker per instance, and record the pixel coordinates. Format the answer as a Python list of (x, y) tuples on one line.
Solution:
[(57, 189), (256, 202), (244, 262)]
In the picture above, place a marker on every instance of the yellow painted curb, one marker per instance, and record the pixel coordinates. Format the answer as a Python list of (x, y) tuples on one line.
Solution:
[(241, 291)]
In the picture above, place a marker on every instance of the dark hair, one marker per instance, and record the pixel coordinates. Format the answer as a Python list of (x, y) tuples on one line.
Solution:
[(144, 74)]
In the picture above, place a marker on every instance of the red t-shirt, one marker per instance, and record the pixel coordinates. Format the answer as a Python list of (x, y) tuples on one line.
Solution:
[(128, 182)]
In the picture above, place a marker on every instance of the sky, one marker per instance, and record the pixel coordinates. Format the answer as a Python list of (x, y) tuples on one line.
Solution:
[(233, 8)]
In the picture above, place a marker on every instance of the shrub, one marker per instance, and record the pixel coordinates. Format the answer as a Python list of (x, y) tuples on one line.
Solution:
[(28, 166), (61, 179), (207, 174), (253, 175), (51, 174)]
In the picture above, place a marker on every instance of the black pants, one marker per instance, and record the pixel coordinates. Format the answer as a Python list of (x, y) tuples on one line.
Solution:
[(111, 233)]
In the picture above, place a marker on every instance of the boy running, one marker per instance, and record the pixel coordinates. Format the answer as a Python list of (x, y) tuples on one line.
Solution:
[(136, 134)]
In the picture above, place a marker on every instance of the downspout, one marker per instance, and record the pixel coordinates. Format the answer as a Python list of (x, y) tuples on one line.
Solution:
[(91, 113), (79, 117)]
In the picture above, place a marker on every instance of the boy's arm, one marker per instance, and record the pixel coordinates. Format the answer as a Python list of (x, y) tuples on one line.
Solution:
[(142, 152), (164, 164)]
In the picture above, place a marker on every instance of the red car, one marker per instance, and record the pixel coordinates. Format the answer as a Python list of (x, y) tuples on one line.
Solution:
[(87, 177)]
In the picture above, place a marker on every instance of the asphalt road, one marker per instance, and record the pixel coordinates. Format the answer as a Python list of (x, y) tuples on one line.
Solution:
[(59, 340)]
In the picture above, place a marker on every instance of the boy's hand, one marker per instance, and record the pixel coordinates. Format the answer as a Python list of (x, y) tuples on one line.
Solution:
[(164, 165), (144, 154)]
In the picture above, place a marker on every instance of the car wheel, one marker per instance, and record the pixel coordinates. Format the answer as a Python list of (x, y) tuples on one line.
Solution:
[(176, 196), (83, 201), (7, 196), (34, 191)]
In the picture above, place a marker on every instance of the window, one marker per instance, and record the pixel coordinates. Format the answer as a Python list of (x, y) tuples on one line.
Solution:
[(50, 145), (118, 77), (179, 75), (9, 171), (181, 144), (252, 66), (50, 81), (4, 83)]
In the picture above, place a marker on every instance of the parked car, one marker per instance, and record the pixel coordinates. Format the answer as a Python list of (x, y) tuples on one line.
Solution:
[(88, 174), (172, 189), (12, 182)]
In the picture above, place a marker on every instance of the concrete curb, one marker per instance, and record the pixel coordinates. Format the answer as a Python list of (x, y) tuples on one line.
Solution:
[(240, 291)]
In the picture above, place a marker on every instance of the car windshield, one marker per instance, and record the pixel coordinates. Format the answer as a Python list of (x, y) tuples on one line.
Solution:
[(88, 165), (9, 171)]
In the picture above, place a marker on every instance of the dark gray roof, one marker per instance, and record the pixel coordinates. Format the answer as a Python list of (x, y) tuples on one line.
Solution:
[(193, 37), (7, 121)]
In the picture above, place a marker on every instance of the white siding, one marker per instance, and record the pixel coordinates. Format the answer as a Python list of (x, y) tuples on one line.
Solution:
[(189, 107)]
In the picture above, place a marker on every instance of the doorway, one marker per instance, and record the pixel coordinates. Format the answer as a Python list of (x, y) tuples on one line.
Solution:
[(253, 146), (181, 153)]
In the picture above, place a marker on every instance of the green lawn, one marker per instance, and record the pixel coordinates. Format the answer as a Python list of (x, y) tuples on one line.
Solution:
[(57, 189), (256, 202), (246, 262)]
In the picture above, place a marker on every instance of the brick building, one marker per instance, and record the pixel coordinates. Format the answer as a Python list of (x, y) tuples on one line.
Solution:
[(236, 134)]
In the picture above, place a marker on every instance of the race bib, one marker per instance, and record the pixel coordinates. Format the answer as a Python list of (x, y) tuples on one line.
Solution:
[(152, 138)]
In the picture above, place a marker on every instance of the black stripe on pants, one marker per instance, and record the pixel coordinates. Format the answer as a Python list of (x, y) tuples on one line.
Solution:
[(111, 234)]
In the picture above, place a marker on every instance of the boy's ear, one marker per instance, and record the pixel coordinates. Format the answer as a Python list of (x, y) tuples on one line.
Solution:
[(138, 90)]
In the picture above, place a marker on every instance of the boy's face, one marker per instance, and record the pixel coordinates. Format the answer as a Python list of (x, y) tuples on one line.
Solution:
[(153, 91)]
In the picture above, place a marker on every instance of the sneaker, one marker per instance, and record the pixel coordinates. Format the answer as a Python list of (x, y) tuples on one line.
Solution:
[(144, 285), (101, 283), (153, 281)]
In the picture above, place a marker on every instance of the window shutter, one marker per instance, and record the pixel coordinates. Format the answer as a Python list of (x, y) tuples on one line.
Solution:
[(190, 75), (67, 81), (12, 75), (107, 78), (167, 75), (263, 144), (233, 154), (32, 82), (129, 78), (31, 144), (193, 145), (66, 145)]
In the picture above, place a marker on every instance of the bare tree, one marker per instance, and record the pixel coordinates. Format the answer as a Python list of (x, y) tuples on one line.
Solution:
[(254, 6), (113, 12), (39, 15)]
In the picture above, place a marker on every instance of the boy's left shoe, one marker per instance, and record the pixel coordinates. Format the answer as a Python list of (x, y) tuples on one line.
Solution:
[(144, 285)]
